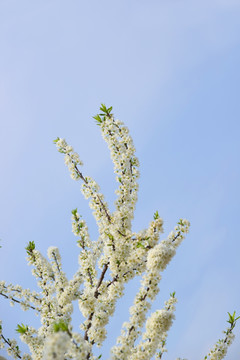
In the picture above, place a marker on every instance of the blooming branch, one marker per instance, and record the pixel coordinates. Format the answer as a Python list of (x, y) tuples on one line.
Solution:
[(105, 266)]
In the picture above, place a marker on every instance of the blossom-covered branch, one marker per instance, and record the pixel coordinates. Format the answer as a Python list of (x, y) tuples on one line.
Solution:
[(106, 264), (157, 260), (220, 349)]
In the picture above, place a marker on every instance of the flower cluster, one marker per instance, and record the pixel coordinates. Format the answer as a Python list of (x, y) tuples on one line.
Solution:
[(17, 295), (158, 258), (125, 167), (220, 349), (155, 335), (65, 344), (105, 266), (87, 257), (71, 158)]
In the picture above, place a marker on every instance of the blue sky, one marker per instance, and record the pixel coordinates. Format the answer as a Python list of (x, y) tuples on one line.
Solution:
[(170, 69)]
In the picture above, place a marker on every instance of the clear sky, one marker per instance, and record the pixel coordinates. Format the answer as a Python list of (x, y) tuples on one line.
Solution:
[(170, 69)]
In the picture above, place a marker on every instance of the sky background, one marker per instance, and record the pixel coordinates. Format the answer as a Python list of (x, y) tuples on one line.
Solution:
[(170, 69)]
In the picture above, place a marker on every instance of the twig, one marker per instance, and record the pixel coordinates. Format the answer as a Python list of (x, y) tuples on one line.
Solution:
[(96, 294), (18, 301), (86, 183), (9, 344)]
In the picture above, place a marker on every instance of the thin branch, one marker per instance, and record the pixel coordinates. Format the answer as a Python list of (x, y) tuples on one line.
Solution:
[(55, 259), (9, 344), (88, 270), (19, 302), (96, 294), (90, 277), (58, 267), (176, 236), (86, 183), (19, 291)]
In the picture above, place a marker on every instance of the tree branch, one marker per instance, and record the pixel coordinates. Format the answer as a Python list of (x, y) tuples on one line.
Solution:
[(9, 344), (96, 294), (19, 302)]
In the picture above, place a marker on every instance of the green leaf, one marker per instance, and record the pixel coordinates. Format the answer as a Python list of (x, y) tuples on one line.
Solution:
[(140, 245), (103, 108), (22, 329), (232, 320), (180, 222), (30, 247), (156, 215), (173, 294), (60, 326), (109, 236), (74, 212), (98, 118), (56, 140)]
